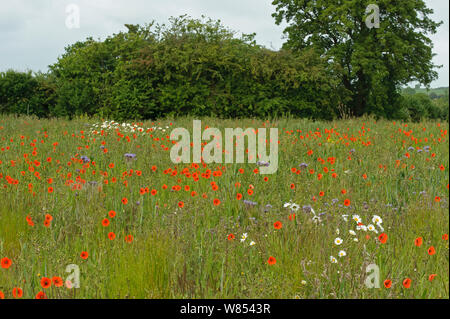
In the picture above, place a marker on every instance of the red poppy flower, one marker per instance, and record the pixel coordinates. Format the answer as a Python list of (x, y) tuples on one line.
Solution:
[(383, 238), (271, 261), (418, 241), (17, 292), (407, 283), (230, 237), (431, 277), (84, 255), (41, 295), (5, 263), (57, 281), (431, 251), (277, 225), (46, 282), (387, 283), (347, 202)]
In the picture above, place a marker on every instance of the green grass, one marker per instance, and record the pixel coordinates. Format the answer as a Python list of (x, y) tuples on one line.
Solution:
[(184, 252)]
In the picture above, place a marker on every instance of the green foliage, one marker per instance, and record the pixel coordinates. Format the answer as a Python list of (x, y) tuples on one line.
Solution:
[(25, 93), (193, 67), (373, 63), (420, 106)]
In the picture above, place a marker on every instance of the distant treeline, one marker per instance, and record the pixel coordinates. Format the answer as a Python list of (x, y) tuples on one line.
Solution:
[(195, 67)]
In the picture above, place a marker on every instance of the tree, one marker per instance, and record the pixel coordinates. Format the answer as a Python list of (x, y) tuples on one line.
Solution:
[(373, 63)]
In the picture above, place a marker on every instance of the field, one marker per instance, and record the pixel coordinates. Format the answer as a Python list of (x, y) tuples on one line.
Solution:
[(437, 91), (107, 200)]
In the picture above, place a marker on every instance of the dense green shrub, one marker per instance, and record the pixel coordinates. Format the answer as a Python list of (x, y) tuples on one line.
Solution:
[(25, 93), (420, 106), (190, 67)]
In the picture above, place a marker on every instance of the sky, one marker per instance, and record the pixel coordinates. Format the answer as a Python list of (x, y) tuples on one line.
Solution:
[(33, 34)]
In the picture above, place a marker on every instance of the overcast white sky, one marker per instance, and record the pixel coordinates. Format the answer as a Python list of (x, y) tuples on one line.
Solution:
[(33, 33)]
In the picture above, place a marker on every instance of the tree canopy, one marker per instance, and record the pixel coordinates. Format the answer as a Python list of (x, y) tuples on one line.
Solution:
[(372, 63)]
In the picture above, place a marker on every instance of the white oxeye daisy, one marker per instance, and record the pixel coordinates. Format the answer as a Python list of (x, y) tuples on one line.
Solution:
[(338, 241), (356, 218), (355, 239), (252, 243), (337, 231), (376, 219), (243, 237), (287, 204), (372, 228), (342, 253), (295, 207), (333, 260), (352, 232), (361, 227)]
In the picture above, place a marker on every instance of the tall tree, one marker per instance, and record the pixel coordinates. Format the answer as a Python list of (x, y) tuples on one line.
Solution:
[(373, 60)]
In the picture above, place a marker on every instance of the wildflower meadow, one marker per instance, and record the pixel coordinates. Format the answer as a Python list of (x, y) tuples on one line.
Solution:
[(92, 208)]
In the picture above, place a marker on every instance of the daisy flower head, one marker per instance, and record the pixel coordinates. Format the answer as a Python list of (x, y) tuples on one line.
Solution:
[(356, 218), (372, 228), (376, 219)]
